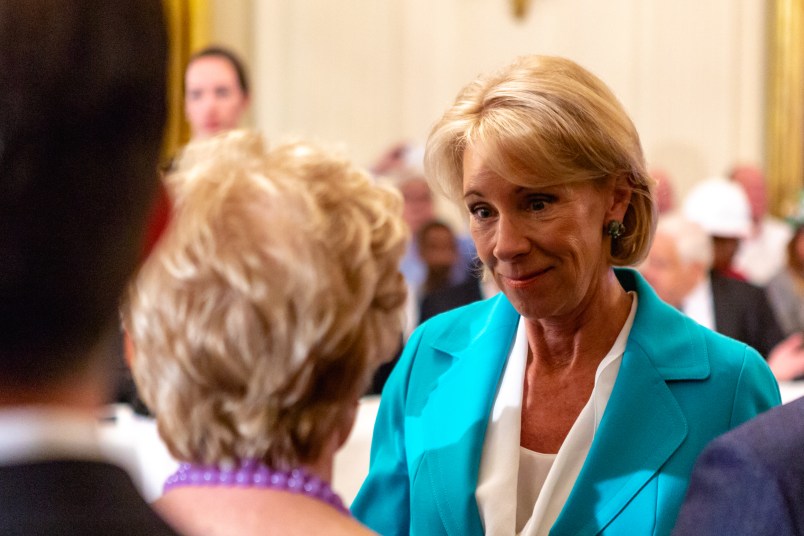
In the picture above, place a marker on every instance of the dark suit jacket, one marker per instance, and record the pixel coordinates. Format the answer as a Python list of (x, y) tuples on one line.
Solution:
[(750, 481), (742, 312), (61, 498), (449, 298)]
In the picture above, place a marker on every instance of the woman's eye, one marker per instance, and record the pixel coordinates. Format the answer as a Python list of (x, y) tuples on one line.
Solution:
[(537, 204), (480, 212)]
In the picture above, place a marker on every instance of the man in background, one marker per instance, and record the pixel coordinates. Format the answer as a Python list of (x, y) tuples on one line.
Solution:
[(665, 194), (82, 108), (762, 252), (438, 247), (679, 268), (722, 209)]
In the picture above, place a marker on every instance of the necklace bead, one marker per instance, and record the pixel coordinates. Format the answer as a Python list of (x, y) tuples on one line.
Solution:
[(251, 473)]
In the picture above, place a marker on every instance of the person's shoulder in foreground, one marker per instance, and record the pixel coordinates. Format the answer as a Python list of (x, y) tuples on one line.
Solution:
[(73, 497), (750, 481), (82, 109)]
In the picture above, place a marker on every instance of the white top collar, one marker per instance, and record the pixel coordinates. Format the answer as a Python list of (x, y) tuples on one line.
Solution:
[(30, 434), (496, 492)]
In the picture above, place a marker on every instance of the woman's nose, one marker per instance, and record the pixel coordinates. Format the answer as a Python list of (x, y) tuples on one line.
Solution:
[(511, 241)]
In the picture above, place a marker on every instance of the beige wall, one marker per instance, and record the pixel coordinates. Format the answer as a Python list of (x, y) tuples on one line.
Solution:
[(370, 72), (231, 25)]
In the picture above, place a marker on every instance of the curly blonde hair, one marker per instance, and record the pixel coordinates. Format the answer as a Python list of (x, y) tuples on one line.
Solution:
[(546, 121), (266, 308)]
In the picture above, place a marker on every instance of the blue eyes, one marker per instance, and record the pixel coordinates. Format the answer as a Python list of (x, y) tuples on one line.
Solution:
[(482, 211)]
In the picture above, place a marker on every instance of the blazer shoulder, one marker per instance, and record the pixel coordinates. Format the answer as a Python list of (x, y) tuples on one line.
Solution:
[(723, 350), (461, 322), (732, 359), (467, 310)]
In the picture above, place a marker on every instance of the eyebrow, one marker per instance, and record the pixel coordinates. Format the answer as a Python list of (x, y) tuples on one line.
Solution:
[(519, 189)]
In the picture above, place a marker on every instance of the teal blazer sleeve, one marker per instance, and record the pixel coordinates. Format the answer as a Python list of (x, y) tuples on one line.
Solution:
[(428, 436), (757, 389), (679, 386), (383, 501)]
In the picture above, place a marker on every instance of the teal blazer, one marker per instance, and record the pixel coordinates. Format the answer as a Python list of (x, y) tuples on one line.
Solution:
[(678, 387)]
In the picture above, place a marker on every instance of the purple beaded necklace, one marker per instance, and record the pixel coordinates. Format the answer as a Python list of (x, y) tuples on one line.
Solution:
[(253, 474)]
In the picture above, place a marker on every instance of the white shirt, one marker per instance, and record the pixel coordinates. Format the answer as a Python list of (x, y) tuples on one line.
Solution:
[(30, 434), (763, 255), (502, 464), (700, 304)]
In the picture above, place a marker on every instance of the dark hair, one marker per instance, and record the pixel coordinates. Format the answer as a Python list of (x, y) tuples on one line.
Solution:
[(793, 260), (228, 55), (82, 109), (431, 225)]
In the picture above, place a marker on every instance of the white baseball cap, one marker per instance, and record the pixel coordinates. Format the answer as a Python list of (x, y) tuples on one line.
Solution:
[(719, 206)]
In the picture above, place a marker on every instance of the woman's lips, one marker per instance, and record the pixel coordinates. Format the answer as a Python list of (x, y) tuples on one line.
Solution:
[(523, 281)]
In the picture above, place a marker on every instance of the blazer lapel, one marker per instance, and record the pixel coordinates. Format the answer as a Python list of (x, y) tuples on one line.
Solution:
[(643, 424), (465, 393), (641, 428)]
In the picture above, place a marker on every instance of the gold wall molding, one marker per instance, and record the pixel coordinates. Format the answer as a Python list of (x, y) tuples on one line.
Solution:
[(188, 24), (784, 142)]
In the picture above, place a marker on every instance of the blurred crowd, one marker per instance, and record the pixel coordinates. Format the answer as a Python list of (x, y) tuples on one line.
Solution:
[(726, 262)]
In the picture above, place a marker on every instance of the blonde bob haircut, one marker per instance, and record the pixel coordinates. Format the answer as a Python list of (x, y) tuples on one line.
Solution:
[(544, 121), (263, 312)]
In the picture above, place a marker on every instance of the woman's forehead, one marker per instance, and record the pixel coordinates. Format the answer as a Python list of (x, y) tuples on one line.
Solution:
[(480, 165)]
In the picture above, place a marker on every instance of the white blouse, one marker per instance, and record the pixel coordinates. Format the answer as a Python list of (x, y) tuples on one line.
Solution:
[(533, 470), (523, 492)]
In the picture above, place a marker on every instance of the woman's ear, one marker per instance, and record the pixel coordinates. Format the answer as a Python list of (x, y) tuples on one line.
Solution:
[(619, 198)]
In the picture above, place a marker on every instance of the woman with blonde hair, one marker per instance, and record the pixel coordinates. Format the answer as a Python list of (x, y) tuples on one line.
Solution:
[(575, 401), (257, 325)]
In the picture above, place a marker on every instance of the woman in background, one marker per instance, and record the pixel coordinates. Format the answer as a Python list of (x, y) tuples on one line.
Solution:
[(257, 324), (216, 92)]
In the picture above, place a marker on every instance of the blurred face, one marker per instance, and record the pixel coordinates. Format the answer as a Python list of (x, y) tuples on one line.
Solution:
[(753, 182), (724, 251), (670, 277), (213, 100), (665, 200), (418, 208), (544, 246), (799, 245), (437, 249)]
